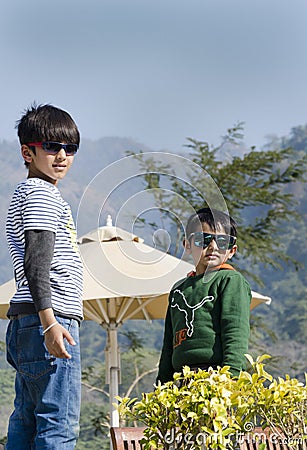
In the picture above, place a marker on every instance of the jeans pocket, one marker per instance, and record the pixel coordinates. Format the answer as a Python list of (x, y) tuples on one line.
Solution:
[(34, 361)]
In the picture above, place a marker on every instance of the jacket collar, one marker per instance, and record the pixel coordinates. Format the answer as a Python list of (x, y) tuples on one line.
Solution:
[(223, 266)]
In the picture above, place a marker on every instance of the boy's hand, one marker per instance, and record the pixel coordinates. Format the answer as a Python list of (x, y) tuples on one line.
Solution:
[(54, 340), (54, 337)]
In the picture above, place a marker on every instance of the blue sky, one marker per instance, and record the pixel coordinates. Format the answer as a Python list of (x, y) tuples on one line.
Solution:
[(157, 70)]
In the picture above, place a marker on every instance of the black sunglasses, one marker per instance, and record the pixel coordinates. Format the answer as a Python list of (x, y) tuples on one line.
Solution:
[(223, 241), (53, 148)]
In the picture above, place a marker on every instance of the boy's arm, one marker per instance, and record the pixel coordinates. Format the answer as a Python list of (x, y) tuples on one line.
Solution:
[(166, 369), (235, 327), (39, 247)]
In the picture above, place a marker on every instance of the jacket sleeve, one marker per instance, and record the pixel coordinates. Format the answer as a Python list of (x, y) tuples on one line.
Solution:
[(166, 369), (235, 326), (39, 248)]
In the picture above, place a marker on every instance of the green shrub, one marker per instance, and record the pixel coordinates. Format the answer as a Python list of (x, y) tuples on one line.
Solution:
[(210, 409)]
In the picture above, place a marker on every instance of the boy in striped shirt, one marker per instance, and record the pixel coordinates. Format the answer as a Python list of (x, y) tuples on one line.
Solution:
[(46, 310)]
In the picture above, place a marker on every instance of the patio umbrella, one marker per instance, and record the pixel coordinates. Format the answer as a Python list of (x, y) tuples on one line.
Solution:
[(123, 279)]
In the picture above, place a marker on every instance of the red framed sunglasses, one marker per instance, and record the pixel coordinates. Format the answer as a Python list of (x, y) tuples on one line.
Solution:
[(53, 148)]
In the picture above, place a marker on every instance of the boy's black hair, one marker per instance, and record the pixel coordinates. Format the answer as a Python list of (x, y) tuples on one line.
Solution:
[(214, 218), (47, 123)]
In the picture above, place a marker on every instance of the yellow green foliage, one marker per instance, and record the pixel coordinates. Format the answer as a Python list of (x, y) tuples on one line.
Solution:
[(210, 409)]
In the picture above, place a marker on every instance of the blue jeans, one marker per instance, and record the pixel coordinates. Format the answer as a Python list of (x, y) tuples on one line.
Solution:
[(48, 389)]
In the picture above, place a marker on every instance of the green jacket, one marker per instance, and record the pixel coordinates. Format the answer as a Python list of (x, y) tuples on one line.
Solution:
[(207, 322)]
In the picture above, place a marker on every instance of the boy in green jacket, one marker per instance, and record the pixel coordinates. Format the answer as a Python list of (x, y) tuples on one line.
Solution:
[(207, 321)]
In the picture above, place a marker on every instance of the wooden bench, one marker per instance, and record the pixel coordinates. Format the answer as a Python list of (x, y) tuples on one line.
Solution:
[(128, 438)]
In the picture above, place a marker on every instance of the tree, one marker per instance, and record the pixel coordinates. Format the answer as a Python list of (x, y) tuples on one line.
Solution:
[(251, 186)]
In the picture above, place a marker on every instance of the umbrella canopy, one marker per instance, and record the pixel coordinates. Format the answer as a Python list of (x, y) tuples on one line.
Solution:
[(123, 279)]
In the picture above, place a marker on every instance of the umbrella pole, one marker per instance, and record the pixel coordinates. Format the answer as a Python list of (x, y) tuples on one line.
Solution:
[(113, 372)]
